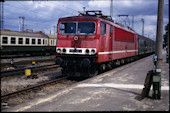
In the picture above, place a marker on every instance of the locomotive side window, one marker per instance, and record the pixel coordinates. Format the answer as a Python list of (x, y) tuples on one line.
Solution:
[(13, 40), (39, 41), (33, 41), (103, 28), (4, 40), (20, 40), (27, 41)]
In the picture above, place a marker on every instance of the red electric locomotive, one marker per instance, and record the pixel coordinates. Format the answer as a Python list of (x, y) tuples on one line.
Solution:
[(92, 42)]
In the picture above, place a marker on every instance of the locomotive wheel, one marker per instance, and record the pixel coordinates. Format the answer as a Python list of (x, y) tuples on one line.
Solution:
[(64, 72), (92, 70)]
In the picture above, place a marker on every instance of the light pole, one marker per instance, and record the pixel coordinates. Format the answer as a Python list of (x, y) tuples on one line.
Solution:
[(23, 23), (156, 94), (111, 8), (142, 26), (133, 22), (19, 23)]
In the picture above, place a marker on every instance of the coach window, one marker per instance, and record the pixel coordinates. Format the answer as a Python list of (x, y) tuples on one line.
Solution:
[(33, 41), (27, 41), (46, 42), (43, 41), (51, 42), (4, 40), (13, 40), (103, 28), (39, 41), (20, 40)]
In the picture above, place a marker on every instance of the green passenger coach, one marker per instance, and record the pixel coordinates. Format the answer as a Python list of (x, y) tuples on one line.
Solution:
[(22, 43)]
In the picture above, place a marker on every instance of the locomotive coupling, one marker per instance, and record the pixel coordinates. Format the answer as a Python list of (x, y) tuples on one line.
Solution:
[(58, 61)]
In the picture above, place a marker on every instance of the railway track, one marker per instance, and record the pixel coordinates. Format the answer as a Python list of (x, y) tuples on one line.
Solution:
[(20, 71), (34, 87), (21, 56), (20, 62)]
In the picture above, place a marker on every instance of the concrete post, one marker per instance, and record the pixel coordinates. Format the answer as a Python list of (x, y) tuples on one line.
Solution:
[(167, 55), (157, 76)]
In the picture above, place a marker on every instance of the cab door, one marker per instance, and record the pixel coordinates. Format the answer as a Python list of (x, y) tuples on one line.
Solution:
[(103, 53), (110, 41), (103, 37)]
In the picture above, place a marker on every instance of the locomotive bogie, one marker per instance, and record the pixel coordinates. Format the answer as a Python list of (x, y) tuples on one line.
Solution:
[(77, 66)]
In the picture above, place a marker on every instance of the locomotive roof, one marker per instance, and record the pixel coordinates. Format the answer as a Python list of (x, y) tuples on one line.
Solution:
[(75, 18), (96, 15), (23, 34)]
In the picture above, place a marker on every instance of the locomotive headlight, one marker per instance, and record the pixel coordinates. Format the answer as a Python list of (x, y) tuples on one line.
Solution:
[(64, 50), (93, 51), (58, 50), (87, 51), (76, 38)]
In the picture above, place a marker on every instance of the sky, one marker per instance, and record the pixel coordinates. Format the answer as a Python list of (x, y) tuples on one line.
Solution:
[(43, 15)]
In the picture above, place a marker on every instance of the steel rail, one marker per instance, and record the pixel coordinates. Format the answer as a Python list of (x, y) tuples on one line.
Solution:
[(22, 70), (23, 62), (59, 80)]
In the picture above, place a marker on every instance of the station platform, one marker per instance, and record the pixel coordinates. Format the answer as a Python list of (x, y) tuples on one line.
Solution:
[(115, 90)]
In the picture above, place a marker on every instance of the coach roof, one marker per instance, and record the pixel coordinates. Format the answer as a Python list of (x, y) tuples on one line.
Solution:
[(23, 34)]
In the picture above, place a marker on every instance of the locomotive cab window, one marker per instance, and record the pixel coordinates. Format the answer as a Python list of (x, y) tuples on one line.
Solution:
[(77, 28), (13, 40), (103, 28), (4, 40), (86, 27), (67, 27)]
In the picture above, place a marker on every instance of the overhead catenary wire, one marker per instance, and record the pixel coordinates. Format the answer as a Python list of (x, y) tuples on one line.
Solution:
[(43, 14), (67, 8)]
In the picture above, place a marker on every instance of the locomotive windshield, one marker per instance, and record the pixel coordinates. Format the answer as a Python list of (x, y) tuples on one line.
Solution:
[(77, 28), (67, 28)]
